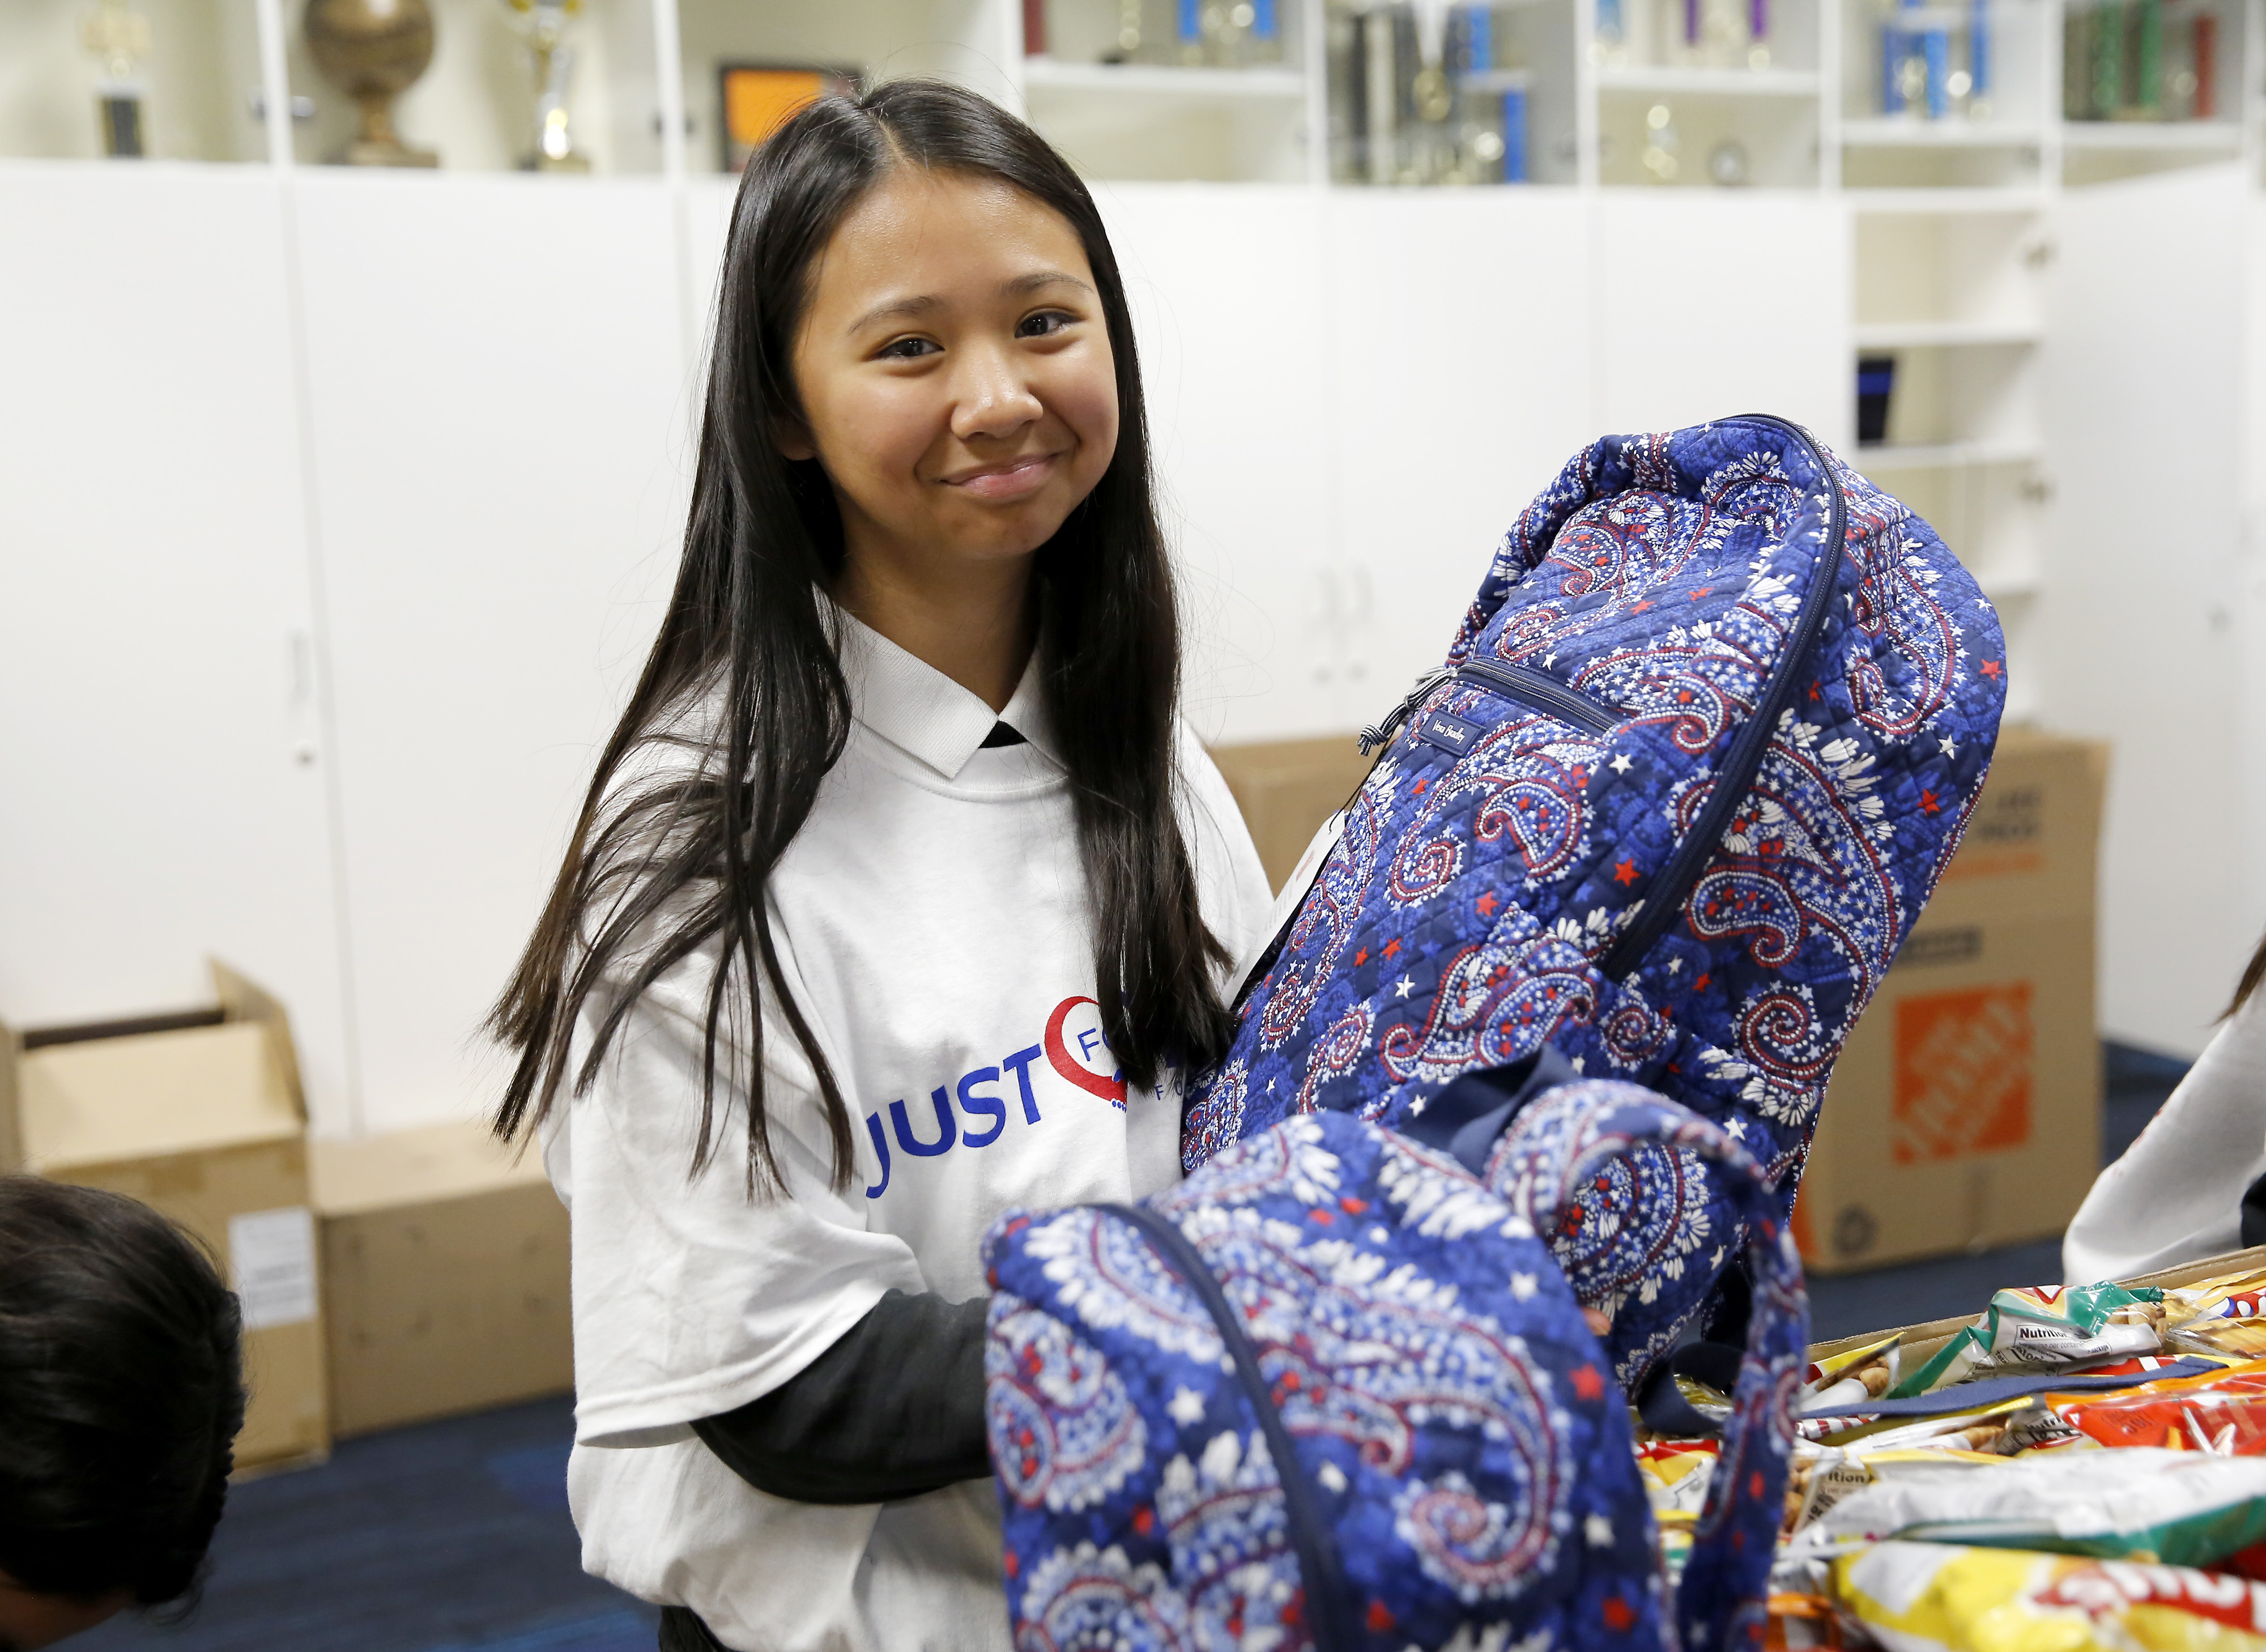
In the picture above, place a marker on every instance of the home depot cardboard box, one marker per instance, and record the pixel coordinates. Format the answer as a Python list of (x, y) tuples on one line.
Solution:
[(1287, 788), (201, 1115), (444, 1277), (1965, 1111)]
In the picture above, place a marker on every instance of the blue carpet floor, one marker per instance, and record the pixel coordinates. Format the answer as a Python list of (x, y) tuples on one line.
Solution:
[(449, 1537), (454, 1537)]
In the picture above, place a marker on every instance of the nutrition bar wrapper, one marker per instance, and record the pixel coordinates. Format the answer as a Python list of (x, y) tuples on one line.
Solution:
[(2045, 1327), (1937, 1597)]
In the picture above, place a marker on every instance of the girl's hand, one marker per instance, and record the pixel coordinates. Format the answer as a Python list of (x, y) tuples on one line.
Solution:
[(1600, 1321)]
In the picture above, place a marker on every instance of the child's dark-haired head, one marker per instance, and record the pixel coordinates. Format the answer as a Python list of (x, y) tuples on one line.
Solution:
[(121, 1391)]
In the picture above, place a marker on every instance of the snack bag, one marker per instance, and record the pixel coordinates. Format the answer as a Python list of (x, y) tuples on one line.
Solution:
[(2183, 1508), (1936, 1598), (2043, 1326), (1853, 1375), (1675, 1474), (2224, 1414), (2219, 1316)]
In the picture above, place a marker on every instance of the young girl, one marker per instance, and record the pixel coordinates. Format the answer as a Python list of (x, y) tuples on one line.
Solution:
[(899, 899)]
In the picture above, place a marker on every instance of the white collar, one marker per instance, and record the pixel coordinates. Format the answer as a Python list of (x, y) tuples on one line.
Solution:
[(912, 705)]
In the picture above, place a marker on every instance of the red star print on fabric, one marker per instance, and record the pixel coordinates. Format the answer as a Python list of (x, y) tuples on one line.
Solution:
[(1618, 1614), (1701, 592), (1587, 1383), (1487, 903), (1393, 949), (1642, 606), (1928, 804), (1992, 667), (1417, 789), (1380, 1618), (1625, 873), (1361, 958), (1816, 692)]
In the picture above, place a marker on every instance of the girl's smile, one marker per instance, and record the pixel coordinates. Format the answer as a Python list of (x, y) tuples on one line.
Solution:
[(1009, 479)]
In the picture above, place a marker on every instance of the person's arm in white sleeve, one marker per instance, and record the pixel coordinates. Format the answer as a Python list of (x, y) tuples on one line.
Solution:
[(774, 1327), (2176, 1194)]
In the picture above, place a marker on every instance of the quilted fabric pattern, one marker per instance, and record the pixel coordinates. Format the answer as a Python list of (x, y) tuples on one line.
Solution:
[(1455, 1465), (1725, 600)]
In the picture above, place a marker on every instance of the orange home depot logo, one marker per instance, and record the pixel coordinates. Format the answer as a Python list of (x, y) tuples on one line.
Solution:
[(1962, 1073)]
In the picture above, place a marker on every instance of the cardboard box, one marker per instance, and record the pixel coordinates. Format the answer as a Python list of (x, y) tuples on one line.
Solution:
[(1287, 788), (444, 1277), (1965, 1112), (200, 1115)]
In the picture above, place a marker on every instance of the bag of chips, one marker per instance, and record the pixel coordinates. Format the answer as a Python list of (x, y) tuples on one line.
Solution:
[(2224, 1414), (1938, 1597)]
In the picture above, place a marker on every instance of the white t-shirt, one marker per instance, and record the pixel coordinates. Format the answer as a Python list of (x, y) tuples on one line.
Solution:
[(2176, 1194), (931, 922)]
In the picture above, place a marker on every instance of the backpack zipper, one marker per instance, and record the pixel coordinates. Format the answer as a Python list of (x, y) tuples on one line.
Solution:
[(1379, 734), (1319, 1567), (1745, 759), (1538, 690)]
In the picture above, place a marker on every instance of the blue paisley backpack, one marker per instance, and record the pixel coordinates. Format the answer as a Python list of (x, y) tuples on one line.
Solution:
[(1333, 1392), (1705, 741)]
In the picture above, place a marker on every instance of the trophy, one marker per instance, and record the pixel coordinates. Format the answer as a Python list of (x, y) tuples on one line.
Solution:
[(373, 50), (120, 39), (544, 24)]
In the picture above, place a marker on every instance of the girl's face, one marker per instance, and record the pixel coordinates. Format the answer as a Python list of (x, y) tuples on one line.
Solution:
[(955, 375)]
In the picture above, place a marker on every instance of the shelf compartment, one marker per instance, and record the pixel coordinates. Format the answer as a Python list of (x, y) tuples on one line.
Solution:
[(2219, 136), (1163, 86), (1944, 455), (1947, 203), (1928, 335), (1672, 82), (1909, 133)]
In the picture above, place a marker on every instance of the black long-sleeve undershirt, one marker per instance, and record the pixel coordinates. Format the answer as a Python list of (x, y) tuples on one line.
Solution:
[(894, 1409)]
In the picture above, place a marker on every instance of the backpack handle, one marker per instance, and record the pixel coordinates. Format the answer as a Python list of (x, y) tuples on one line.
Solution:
[(1547, 1158)]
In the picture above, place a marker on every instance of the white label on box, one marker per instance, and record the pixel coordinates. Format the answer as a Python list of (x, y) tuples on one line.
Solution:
[(272, 1254)]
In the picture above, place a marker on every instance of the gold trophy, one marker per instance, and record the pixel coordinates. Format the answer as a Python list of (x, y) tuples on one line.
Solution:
[(120, 39), (544, 24), (373, 50)]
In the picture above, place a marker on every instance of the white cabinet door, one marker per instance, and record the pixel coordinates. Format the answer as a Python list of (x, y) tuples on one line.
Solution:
[(1712, 303), (1235, 345), (497, 372), (1459, 352), (158, 695), (2138, 637)]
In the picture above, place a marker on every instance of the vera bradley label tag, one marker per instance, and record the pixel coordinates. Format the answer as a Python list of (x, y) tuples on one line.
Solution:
[(1450, 733)]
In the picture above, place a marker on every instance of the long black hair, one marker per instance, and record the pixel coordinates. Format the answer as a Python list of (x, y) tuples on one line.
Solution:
[(121, 1392), (654, 873)]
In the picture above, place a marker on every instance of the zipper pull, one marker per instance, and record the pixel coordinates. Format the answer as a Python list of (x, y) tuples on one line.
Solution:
[(1378, 734)]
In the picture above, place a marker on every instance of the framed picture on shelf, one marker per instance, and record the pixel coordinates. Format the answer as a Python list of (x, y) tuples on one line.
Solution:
[(754, 99)]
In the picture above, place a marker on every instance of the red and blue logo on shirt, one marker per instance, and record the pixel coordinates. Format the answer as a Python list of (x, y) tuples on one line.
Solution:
[(971, 1111)]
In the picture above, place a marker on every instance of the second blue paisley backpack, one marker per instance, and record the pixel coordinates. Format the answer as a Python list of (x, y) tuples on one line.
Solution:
[(1333, 1392), (1692, 765)]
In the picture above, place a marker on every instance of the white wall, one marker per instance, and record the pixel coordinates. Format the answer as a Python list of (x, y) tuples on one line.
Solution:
[(1353, 396), (159, 728), (2142, 634), (495, 364)]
